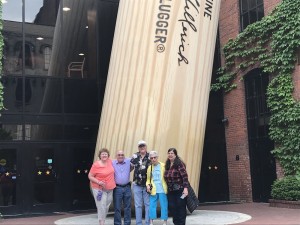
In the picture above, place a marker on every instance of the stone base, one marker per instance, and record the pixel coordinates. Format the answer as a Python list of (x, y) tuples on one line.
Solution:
[(284, 204)]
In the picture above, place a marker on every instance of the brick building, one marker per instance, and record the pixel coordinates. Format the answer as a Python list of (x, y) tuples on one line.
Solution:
[(250, 166)]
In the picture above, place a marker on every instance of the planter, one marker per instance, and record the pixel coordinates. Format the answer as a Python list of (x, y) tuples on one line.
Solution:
[(284, 204)]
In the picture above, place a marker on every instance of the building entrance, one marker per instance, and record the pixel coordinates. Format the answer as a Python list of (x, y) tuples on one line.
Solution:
[(29, 178), (41, 178)]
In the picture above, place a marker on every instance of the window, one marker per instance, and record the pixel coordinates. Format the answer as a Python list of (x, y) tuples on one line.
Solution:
[(29, 55), (47, 57), (250, 12), (258, 114)]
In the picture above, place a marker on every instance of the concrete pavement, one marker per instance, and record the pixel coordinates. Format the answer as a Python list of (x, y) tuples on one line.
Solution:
[(198, 217), (213, 214)]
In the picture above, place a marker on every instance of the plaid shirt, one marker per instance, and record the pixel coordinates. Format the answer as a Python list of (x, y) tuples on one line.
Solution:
[(176, 177), (140, 168)]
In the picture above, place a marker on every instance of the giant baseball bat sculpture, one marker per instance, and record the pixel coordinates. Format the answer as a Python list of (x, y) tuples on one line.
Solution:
[(159, 78)]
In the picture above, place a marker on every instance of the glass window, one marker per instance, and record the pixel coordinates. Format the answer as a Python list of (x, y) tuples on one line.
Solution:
[(12, 10), (81, 96), (11, 132), (81, 132), (47, 57), (12, 34), (43, 95), (40, 28), (250, 12), (13, 94), (78, 41), (37, 132), (244, 6), (258, 114)]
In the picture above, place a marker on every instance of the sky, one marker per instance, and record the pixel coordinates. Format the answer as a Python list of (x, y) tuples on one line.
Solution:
[(12, 10)]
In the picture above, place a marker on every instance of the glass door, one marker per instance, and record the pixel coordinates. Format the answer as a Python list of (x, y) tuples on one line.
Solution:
[(8, 178), (28, 179), (43, 174)]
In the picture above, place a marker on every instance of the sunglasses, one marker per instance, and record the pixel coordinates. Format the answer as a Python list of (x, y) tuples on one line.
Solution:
[(153, 157), (120, 154), (140, 146)]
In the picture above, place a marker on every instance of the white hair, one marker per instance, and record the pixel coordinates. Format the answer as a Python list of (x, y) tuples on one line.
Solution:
[(153, 153)]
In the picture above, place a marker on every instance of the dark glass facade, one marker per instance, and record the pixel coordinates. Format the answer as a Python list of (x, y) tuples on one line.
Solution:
[(56, 56)]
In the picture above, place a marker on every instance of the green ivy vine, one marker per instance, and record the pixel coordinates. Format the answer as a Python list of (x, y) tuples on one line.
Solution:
[(1, 55), (271, 44)]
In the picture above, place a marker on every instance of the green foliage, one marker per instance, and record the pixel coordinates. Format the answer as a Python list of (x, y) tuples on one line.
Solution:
[(287, 188), (1, 55), (271, 44)]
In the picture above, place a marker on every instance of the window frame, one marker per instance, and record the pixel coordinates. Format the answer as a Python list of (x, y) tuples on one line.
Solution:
[(257, 5)]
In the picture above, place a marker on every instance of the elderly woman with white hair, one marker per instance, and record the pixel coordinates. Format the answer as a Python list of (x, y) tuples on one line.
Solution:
[(157, 187)]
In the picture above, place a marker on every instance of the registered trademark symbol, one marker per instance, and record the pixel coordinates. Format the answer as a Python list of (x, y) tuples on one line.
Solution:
[(160, 48)]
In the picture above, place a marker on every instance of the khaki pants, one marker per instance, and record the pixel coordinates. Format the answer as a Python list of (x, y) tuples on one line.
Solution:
[(103, 205)]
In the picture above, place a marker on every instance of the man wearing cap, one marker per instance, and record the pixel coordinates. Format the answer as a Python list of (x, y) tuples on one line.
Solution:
[(141, 161), (122, 192)]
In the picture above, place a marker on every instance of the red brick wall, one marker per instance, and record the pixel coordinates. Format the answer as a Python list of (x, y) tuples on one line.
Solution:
[(239, 176), (296, 79), (269, 5), (279, 170)]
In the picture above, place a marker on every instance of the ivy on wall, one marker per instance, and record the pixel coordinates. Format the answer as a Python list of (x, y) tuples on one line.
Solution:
[(1, 56), (271, 44)]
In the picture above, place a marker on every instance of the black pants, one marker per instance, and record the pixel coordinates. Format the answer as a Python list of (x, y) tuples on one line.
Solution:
[(177, 207)]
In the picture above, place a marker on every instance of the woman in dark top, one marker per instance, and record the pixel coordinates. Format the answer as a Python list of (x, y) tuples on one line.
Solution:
[(177, 182)]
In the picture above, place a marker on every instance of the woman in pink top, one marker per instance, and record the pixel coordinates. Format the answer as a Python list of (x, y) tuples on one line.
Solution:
[(102, 182)]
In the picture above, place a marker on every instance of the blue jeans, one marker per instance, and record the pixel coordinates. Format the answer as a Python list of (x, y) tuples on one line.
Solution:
[(163, 201), (122, 194), (177, 207), (141, 197)]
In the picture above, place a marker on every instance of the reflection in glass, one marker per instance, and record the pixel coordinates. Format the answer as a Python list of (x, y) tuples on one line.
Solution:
[(80, 96), (81, 132), (41, 88), (12, 10), (47, 56), (78, 41), (82, 161), (43, 132), (36, 100), (8, 176), (40, 18), (45, 176), (11, 132), (12, 54)]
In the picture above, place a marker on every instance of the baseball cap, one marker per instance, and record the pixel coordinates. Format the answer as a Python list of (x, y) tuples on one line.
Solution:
[(141, 142)]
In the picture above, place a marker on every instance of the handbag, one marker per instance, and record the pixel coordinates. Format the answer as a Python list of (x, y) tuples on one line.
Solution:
[(192, 202)]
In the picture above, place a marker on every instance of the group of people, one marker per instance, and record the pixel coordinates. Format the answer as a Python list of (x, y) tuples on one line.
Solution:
[(153, 181)]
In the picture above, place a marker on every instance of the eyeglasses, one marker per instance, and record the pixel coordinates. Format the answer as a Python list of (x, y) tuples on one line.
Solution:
[(153, 157), (120, 154), (140, 146)]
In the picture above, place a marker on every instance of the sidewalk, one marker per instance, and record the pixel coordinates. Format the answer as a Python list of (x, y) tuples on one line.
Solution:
[(250, 213)]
